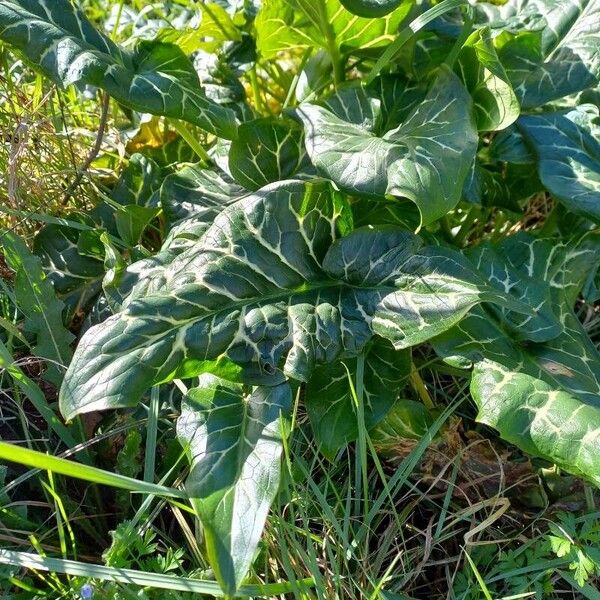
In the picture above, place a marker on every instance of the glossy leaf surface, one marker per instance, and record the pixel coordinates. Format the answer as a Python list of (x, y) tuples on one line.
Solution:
[(270, 291), (425, 159)]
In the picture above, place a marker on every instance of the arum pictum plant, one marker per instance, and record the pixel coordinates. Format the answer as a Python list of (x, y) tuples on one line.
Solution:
[(324, 228)]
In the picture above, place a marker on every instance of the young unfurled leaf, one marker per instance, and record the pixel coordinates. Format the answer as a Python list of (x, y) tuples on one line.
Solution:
[(269, 291), (328, 396), (235, 445), (156, 78), (407, 420), (139, 182), (494, 100), (37, 301), (132, 220), (425, 159)]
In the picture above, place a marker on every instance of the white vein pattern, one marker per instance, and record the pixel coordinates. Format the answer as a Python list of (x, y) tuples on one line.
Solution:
[(269, 292)]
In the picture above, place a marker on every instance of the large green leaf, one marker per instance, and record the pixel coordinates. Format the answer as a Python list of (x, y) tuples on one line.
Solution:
[(284, 25), (540, 418), (123, 284), (555, 348), (37, 301), (330, 404), (266, 150), (269, 291), (157, 77), (235, 446), (554, 50), (425, 159), (568, 159)]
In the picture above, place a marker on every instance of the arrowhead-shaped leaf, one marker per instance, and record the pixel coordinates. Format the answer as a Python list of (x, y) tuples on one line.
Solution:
[(156, 78), (425, 159), (270, 291), (554, 51), (235, 446), (329, 402)]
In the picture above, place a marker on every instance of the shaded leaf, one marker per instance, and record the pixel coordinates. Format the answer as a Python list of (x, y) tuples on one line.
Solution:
[(329, 402), (132, 220), (197, 192), (37, 301), (407, 420), (75, 275), (139, 182), (235, 446)]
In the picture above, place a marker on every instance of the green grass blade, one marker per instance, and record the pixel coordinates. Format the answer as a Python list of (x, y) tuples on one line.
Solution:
[(413, 27), (151, 434), (131, 576), (35, 395), (32, 458)]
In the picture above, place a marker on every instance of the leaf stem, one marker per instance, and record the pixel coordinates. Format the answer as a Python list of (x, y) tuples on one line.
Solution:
[(465, 227), (193, 143), (258, 102), (151, 434), (419, 387), (462, 38), (95, 150)]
